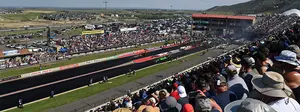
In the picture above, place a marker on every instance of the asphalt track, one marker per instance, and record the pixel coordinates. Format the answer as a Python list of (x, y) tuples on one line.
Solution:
[(103, 97), (35, 88), (20, 84)]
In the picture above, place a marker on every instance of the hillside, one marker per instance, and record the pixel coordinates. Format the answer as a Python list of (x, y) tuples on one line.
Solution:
[(258, 6)]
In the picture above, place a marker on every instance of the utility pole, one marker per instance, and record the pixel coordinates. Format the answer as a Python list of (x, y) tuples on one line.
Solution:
[(105, 3)]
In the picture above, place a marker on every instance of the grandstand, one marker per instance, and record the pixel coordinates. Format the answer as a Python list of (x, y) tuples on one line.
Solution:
[(221, 24)]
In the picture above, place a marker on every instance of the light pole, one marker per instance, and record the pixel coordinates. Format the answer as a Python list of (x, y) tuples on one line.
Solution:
[(105, 3)]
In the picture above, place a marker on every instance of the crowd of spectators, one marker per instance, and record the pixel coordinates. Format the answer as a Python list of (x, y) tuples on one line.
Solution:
[(10, 11), (71, 16), (262, 77), (271, 23), (63, 48)]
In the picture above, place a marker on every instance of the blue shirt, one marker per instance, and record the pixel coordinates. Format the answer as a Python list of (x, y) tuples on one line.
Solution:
[(225, 98), (237, 85)]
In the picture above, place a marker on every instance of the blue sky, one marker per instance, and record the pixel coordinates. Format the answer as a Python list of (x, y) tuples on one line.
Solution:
[(165, 4)]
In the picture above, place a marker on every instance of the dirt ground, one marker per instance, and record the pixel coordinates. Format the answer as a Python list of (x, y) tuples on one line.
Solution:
[(19, 24), (39, 11)]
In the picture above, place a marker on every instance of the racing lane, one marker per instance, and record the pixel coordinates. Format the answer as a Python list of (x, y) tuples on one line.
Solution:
[(12, 86), (43, 90)]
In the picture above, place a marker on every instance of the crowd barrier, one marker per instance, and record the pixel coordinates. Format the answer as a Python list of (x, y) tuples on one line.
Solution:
[(186, 70)]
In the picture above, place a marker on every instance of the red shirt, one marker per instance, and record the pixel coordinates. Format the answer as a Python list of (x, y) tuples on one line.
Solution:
[(175, 94)]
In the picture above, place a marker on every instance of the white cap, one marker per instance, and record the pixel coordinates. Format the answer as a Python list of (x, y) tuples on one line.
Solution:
[(181, 91)]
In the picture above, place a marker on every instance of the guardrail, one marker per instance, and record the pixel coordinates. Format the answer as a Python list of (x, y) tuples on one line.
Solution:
[(186, 70), (41, 72)]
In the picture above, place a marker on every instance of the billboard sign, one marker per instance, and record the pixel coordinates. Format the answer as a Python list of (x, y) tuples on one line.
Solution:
[(92, 32)]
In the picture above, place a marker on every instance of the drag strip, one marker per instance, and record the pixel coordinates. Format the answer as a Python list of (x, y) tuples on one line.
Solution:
[(43, 90), (29, 82)]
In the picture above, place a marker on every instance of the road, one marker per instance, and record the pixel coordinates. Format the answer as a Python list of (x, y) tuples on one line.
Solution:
[(35, 28), (103, 97), (64, 80)]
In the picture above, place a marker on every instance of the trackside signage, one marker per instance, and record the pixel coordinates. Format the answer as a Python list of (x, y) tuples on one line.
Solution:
[(61, 68), (39, 72), (68, 66)]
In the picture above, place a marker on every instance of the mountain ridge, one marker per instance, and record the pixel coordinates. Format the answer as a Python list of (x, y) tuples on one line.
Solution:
[(258, 6)]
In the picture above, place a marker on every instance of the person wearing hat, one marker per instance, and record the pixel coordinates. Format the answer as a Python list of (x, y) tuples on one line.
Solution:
[(224, 96), (295, 49), (236, 62), (274, 92), (248, 105), (174, 92), (235, 83), (287, 64), (170, 105), (183, 96), (188, 108), (248, 71)]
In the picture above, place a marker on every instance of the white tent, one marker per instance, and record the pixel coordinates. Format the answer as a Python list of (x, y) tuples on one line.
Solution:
[(292, 12)]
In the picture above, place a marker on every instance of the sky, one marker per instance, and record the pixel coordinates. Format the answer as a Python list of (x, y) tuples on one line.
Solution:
[(161, 4)]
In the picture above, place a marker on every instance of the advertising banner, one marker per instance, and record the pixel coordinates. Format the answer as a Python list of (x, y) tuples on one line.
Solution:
[(39, 72), (128, 29), (92, 32), (68, 66), (11, 53)]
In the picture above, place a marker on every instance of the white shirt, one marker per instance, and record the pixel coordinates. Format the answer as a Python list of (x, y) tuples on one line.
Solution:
[(285, 105)]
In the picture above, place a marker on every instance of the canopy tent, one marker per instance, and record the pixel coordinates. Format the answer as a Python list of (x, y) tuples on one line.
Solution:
[(292, 12)]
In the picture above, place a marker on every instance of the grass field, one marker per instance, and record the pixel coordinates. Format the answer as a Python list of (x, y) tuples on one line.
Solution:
[(22, 16), (74, 32), (89, 91), (18, 71)]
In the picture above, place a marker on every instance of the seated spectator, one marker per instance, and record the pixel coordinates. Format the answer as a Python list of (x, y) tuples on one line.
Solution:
[(262, 64), (188, 108), (236, 62), (295, 49), (248, 71), (202, 104), (224, 96), (150, 109), (236, 84), (174, 92), (170, 105), (205, 88), (275, 92), (183, 96), (253, 105), (287, 63)]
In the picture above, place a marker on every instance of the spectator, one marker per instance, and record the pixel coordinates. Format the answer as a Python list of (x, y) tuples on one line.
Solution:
[(224, 96), (295, 49), (287, 63), (236, 84), (202, 104), (170, 105), (188, 108), (248, 71), (275, 92), (183, 96), (253, 105), (174, 92)]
